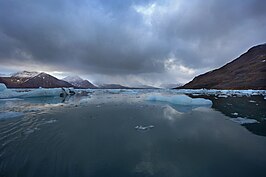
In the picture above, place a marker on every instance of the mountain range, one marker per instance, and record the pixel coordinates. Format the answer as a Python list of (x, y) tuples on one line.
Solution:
[(27, 79), (248, 71)]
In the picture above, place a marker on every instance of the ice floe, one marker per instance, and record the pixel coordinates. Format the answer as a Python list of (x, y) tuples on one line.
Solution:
[(242, 121), (180, 100)]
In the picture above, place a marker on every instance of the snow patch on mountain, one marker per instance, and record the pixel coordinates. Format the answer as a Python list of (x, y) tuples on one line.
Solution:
[(28, 74), (78, 82), (73, 79)]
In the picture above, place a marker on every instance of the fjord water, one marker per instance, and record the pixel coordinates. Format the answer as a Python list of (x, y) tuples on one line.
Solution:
[(96, 136)]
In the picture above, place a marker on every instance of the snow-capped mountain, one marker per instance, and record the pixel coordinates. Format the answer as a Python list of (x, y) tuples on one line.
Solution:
[(46, 81), (78, 82), (27, 79), (27, 74)]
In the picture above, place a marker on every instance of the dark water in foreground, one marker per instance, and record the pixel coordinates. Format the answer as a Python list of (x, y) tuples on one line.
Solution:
[(98, 138)]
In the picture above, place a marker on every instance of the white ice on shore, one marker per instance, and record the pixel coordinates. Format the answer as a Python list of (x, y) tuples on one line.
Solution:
[(242, 121), (180, 100), (221, 93)]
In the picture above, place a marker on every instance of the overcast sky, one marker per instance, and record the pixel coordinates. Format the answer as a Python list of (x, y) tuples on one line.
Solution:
[(127, 41)]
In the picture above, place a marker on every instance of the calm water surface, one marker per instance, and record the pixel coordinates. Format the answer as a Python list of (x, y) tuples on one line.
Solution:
[(96, 136)]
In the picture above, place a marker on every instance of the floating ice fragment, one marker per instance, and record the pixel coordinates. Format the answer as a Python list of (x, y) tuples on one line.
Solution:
[(51, 121), (234, 114), (252, 101), (144, 128), (180, 100), (242, 121)]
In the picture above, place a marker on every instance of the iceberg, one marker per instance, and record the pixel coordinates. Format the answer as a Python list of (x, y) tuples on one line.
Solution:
[(180, 100), (2, 87), (5, 94), (40, 92)]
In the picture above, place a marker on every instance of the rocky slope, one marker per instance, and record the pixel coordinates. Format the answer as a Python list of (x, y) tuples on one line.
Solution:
[(246, 72)]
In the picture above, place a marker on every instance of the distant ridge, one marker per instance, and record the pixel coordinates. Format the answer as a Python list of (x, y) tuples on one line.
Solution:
[(112, 86), (246, 72)]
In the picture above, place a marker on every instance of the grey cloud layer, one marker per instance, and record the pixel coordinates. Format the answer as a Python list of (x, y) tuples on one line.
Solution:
[(113, 38)]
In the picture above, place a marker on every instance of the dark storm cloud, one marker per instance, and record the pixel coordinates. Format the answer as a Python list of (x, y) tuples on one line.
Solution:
[(126, 36), (210, 32), (79, 34)]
